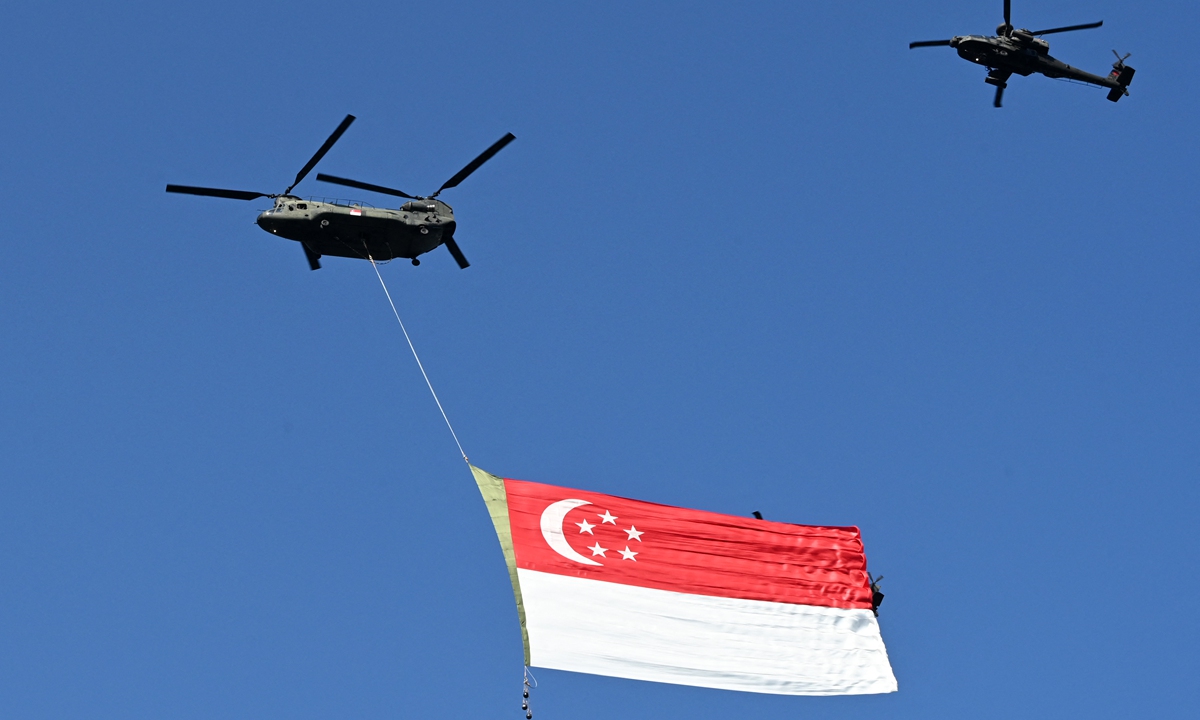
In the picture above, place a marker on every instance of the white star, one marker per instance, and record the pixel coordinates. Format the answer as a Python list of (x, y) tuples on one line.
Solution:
[(627, 554), (597, 550), (635, 534), (608, 518), (586, 527)]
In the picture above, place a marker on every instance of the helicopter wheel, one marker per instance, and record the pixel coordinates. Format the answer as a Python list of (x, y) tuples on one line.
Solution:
[(415, 262)]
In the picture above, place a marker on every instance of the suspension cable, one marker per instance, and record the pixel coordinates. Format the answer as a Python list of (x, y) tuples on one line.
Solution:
[(418, 359)]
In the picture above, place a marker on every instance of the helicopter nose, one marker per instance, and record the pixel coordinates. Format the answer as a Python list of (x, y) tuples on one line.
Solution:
[(266, 222)]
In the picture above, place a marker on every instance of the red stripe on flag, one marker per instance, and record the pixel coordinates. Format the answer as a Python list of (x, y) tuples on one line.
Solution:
[(689, 551)]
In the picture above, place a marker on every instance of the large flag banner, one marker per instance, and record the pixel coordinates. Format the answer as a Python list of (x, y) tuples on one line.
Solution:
[(613, 586)]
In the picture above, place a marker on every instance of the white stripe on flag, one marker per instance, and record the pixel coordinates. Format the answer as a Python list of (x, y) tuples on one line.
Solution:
[(640, 633)]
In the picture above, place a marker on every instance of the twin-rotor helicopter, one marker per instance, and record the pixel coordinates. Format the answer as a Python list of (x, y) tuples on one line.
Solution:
[(355, 230), (1014, 51)]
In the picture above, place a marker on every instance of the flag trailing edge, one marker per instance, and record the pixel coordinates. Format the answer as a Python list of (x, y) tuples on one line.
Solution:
[(685, 596)]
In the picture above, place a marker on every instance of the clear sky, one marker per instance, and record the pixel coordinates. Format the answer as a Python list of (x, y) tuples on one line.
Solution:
[(749, 256)]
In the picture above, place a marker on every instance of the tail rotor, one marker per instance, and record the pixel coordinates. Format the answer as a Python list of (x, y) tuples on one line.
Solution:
[(1121, 76)]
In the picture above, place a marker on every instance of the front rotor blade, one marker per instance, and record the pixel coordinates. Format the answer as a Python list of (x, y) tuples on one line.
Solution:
[(999, 96), (321, 153), (928, 43), (1069, 28), (364, 186), (1007, 12), (474, 164), (216, 192), (458, 255)]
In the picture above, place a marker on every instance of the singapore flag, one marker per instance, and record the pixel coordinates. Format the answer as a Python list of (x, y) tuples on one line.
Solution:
[(633, 589)]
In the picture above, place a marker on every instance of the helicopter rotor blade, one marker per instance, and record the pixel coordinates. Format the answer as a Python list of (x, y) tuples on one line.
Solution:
[(459, 258), (476, 163), (999, 96), (364, 186), (337, 134), (1069, 28), (929, 43), (216, 192), (1008, 12)]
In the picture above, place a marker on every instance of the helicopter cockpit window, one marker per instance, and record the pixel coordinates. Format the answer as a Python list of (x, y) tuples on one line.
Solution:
[(291, 207)]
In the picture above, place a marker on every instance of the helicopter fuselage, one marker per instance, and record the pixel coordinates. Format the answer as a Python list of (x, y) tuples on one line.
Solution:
[(1021, 56), (357, 230)]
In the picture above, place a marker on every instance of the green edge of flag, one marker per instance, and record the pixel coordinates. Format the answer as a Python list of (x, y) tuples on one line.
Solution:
[(492, 489)]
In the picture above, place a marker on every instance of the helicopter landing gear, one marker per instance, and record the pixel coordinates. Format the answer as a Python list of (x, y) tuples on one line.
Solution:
[(999, 78), (415, 262)]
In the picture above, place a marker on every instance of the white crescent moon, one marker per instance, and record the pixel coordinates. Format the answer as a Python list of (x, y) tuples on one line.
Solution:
[(552, 530)]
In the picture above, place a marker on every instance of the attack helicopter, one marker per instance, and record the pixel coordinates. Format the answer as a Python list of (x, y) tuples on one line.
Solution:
[(356, 230), (1022, 52)]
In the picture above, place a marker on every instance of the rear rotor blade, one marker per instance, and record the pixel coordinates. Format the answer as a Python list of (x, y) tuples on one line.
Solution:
[(321, 153), (999, 96), (1069, 28), (474, 164), (928, 43), (458, 255), (216, 192), (364, 186)]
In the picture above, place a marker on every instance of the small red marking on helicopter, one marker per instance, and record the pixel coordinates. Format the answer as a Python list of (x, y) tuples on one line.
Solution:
[(355, 211)]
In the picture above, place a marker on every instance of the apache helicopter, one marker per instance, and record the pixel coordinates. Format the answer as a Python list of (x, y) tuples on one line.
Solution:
[(355, 230), (1023, 52)]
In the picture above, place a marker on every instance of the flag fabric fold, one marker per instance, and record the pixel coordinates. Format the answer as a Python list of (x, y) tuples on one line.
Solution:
[(626, 588)]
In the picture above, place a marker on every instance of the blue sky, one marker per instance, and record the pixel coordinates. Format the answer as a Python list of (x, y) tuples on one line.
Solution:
[(753, 257)]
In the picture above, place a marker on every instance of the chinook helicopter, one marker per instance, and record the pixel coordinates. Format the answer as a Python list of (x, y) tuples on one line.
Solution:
[(356, 230), (1023, 52)]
